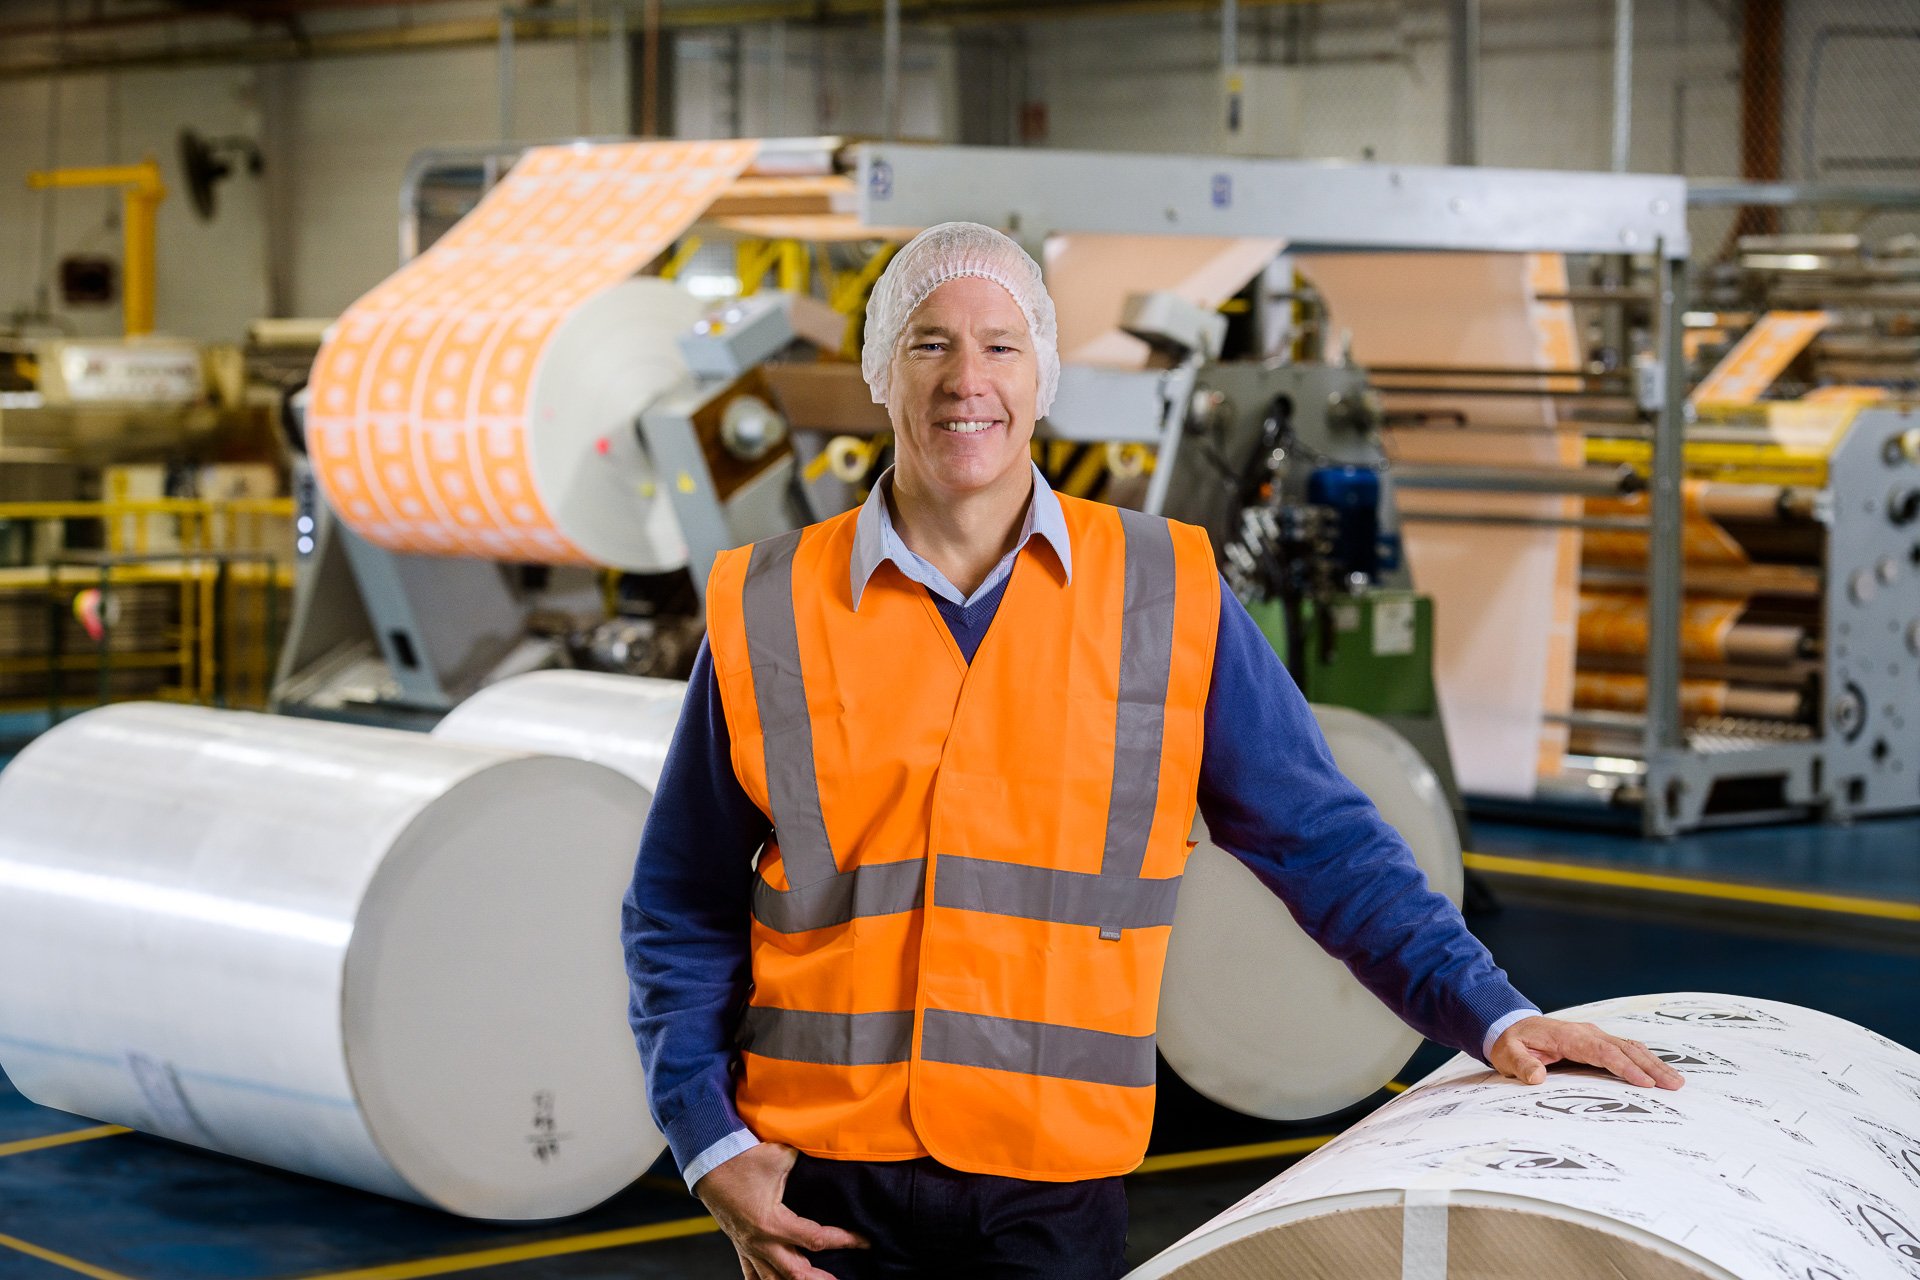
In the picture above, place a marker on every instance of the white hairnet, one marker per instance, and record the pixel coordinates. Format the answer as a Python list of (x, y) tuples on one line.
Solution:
[(944, 253)]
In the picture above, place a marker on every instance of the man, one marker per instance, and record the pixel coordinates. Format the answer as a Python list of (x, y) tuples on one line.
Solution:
[(966, 729)]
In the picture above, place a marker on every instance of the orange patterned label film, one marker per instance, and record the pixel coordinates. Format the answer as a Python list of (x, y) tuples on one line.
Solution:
[(418, 403), (1702, 539), (1760, 357), (1620, 691), (1616, 622)]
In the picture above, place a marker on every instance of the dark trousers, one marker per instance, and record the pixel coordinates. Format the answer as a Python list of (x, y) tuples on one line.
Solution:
[(926, 1220)]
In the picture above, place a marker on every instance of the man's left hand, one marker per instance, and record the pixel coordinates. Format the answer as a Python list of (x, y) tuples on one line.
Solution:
[(1526, 1049)]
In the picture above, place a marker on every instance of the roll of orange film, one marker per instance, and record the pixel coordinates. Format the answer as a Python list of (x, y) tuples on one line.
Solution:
[(1621, 691), (1616, 622), (1699, 699), (480, 401), (1703, 541)]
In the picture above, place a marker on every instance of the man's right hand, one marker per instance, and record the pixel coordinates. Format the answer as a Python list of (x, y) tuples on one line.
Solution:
[(744, 1196)]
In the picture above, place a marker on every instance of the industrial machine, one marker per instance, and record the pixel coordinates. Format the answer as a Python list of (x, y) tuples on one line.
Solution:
[(385, 635), (94, 400), (1828, 623), (1280, 458), (1275, 444), (1800, 627)]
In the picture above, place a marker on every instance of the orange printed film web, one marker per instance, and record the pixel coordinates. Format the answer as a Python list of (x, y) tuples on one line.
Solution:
[(418, 407), (1703, 540)]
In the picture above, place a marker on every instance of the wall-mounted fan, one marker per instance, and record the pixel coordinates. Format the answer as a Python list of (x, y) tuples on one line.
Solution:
[(206, 161)]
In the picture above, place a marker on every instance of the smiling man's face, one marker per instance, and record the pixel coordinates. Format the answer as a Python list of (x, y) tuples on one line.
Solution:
[(963, 389)]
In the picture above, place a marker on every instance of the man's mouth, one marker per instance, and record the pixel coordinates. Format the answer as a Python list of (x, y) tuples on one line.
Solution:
[(967, 426)]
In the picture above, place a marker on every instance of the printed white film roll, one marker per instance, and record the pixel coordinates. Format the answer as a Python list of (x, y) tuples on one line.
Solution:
[(1253, 1014), (1792, 1153), (456, 408), (355, 953)]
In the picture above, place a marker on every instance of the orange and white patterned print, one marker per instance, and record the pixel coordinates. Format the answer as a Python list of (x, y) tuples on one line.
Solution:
[(418, 404), (1763, 355)]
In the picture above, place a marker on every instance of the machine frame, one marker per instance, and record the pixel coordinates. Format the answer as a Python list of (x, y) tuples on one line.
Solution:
[(1341, 207), (1335, 207)]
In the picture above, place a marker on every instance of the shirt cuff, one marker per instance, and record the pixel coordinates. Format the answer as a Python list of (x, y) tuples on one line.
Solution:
[(718, 1154), (1500, 1025)]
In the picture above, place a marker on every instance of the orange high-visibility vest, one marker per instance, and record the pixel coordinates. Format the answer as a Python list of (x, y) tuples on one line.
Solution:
[(960, 922)]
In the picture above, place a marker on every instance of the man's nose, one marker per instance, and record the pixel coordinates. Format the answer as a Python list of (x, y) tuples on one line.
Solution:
[(966, 375)]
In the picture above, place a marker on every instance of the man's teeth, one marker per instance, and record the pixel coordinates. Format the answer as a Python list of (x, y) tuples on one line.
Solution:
[(965, 428)]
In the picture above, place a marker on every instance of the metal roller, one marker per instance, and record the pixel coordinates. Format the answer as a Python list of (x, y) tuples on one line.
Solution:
[(1725, 501), (354, 953), (1582, 482)]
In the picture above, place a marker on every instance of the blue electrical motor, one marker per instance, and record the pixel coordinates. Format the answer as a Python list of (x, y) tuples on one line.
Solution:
[(1354, 495)]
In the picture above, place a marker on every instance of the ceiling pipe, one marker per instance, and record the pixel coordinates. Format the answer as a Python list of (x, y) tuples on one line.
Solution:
[(486, 31), (240, 13), (890, 71), (1463, 82), (1622, 82)]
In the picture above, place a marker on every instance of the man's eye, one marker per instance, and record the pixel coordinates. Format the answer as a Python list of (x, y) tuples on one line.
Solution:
[(999, 349), (928, 346)]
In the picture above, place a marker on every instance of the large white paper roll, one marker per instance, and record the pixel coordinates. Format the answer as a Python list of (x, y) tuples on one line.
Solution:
[(622, 722), (354, 953), (1253, 1014), (1792, 1153)]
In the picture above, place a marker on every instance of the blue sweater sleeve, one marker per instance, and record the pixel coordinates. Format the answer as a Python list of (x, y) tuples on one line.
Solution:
[(1273, 798), (684, 926)]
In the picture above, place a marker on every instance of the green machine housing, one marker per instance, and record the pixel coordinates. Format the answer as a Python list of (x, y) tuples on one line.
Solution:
[(1372, 651)]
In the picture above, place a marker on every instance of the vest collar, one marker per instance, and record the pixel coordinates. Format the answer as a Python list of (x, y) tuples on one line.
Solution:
[(876, 541)]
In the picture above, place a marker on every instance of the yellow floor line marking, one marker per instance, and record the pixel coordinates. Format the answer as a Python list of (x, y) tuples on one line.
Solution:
[(59, 1259), (61, 1139), (1844, 904), (526, 1252), (1228, 1155)]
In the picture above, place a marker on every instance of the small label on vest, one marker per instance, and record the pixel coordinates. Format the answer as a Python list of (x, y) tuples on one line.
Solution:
[(1109, 933)]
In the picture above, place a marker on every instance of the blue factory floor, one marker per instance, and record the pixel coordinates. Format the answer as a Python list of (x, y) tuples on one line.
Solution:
[(1820, 916)]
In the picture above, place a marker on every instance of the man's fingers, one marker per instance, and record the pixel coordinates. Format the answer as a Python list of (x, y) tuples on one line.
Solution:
[(1516, 1061), (783, 1263), (1614, 1058), (1526, 1050), (810, 1235), (1664, 1076)]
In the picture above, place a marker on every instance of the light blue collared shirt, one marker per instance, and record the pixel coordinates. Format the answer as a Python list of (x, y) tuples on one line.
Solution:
[(876, 541)]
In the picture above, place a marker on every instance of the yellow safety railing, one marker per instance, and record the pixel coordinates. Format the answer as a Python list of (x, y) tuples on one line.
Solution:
[(172, 598)]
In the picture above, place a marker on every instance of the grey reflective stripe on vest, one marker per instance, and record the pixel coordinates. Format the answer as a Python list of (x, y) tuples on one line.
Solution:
[(1036, 1048), (1064, 897), (786, 728), (1146, 662), (875, 889), (828, 1039)]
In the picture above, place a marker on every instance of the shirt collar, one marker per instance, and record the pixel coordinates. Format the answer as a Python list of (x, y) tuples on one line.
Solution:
[(875, 540)]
